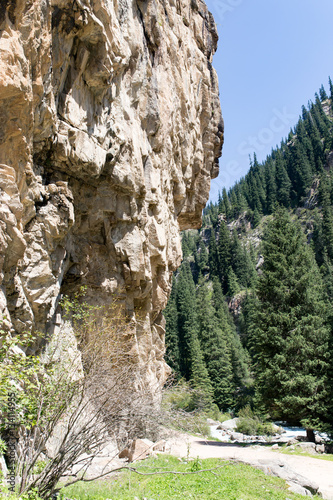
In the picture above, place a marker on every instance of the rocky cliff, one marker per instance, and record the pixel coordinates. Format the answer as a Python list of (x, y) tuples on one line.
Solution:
[(110, 131)]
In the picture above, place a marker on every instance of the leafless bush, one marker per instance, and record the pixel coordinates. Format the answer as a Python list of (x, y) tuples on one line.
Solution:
[(73, 402)]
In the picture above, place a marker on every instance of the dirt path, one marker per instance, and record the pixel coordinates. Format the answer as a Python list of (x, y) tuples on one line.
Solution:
[(319, 471)]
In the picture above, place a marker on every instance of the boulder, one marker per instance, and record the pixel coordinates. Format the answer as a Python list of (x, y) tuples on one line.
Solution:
[(237, 436), (229, 424), (162, 446), (292, 441), (210, 421), (296, 488), (137, 450), (282, 470), (307, 447)]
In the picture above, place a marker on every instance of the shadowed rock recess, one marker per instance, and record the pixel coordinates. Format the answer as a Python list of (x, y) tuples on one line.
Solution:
[(110, 132)]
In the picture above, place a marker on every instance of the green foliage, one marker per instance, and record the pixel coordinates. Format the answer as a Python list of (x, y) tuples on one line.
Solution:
[(231, 481), (289, 339), (252, 425), (287, 317)]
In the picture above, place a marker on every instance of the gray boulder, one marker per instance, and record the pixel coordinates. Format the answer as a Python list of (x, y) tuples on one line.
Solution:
[(296, 488), (282, 470), (229, 424), (237, 436)]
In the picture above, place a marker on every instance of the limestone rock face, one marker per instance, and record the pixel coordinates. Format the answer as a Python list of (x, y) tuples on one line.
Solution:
[(110, 131)]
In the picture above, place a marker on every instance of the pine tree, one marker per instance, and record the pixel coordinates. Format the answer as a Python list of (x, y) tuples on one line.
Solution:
[(289, 340), (223, 250), (283, 183), (199, 378), (240, 262), (327, 222), (301, 170), (242, 381), (271, 199), (171, 331), (322, 93), (233, 284), (256, 218), (187, 318), (331, 87), (331, 92), (216, 350), (213, 262)]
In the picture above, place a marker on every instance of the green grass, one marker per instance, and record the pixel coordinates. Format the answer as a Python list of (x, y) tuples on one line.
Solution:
[(286, 451), (231, 481)]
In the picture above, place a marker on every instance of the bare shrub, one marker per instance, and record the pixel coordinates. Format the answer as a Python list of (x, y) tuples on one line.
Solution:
[(70, 401)]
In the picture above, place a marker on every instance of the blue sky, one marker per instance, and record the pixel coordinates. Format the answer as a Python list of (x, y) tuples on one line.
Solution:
[(272, 57)]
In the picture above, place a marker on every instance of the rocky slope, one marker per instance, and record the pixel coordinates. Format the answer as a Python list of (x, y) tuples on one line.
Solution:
[(110, 131)]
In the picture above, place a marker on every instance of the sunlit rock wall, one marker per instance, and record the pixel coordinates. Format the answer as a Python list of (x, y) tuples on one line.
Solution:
[(110, 132)]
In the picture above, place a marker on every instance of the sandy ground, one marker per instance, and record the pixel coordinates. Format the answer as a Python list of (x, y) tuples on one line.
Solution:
[(319, 471)]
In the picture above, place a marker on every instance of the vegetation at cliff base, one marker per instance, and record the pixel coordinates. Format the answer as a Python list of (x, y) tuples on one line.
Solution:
[(256, 284), (222, 481)]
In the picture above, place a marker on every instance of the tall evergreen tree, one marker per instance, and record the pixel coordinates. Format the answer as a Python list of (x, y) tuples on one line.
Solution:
[(171, 331), (271, 198), (290, 339), (199, 377), (216, 350), (322, 93), (223, 250), (187, 318), (213, 261), (283, 183), (226, 204)]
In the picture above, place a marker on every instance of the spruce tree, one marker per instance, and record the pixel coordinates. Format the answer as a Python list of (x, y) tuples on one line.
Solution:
[(213, 262), (322, 93), (233, 283), (289, 340), (223, 250), (187, 318), (171, 331), (327, 222), (216, 349), (226, 204), (271, 186), (242, 381), (199, 377)]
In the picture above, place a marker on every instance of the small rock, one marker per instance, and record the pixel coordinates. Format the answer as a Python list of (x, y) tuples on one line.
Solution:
[(237, 436), (320, 448), (298, 489), (275, 447), (210, 421), (307, 447)]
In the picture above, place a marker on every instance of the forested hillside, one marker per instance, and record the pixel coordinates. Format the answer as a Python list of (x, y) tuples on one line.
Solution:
[(250, 318)]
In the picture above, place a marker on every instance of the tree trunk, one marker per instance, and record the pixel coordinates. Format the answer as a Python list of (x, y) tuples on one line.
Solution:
[(310, 436)]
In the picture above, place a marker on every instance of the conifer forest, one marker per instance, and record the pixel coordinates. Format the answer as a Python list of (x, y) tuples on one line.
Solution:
[(250, 317)]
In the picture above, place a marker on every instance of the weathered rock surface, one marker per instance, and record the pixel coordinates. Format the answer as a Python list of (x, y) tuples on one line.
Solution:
[(281, 469), (110, 131)]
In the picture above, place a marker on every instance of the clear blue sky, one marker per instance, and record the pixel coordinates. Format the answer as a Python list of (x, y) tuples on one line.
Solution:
[(273, 55)]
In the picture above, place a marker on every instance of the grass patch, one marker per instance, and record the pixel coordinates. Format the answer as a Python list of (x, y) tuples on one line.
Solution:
[(284, 449), (232, 481)]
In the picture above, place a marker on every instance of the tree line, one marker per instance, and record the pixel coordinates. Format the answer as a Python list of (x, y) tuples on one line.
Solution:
[(250, 319)]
